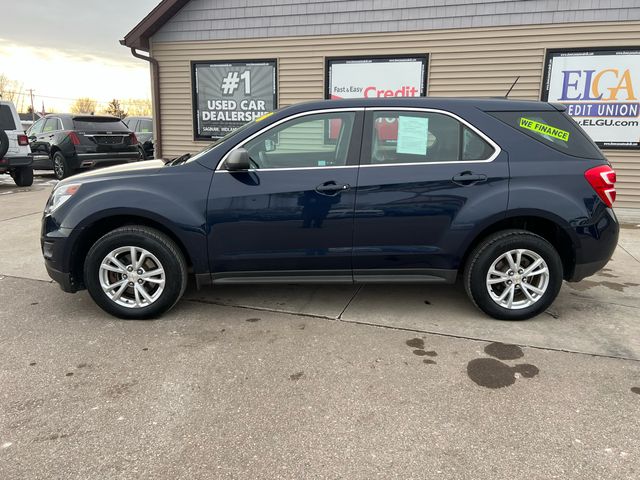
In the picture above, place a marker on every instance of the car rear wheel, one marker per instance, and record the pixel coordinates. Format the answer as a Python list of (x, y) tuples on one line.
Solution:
[(142, 154), (135, 272), (513, 275), (61, 167), (23, 176)]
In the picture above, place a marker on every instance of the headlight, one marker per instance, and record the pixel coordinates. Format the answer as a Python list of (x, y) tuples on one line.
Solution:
[(60, 195)]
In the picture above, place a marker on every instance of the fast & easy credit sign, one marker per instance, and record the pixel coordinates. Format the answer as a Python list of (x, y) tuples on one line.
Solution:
[(371, 77), (601, 90)]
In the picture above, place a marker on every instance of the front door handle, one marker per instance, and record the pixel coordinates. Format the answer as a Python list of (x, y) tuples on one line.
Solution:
[(465, 179), (332, 188)]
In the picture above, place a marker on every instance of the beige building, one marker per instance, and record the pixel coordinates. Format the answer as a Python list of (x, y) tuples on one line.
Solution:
[(472, 48)]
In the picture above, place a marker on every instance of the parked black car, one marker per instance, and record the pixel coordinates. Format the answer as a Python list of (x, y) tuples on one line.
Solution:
[(66, 143), (143, 128)]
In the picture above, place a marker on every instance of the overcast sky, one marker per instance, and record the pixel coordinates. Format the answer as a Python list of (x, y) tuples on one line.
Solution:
[(70, 48)]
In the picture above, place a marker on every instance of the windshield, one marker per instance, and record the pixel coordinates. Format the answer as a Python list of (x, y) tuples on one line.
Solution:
[(221, 140)]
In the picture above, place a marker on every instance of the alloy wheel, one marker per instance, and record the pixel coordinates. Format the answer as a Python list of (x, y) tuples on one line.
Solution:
[(132, 277), (517, 279)]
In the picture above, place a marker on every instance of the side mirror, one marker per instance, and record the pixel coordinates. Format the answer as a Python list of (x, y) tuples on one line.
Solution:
[(238, 160)]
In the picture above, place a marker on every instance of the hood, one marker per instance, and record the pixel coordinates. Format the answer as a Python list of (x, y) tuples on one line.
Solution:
[(117, 169)]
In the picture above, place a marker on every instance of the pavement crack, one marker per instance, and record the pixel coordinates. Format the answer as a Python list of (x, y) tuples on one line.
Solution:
[(406, 329), (630, 254), (21, 216), (355, 294)]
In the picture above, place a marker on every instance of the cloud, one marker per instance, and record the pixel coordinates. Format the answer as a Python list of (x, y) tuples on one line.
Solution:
[(58, 76)]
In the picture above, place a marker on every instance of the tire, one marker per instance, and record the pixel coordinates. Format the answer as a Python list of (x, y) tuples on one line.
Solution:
[(143, 155), (164, 255), (23, 176), (61, 167), (4, 143), (525, 303)]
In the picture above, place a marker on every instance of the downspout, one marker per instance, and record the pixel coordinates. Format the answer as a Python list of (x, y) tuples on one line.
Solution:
[(155, 74)]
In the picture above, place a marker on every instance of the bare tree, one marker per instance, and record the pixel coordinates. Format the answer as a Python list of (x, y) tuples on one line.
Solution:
[(139, 107), (84, 105), (9, 89)]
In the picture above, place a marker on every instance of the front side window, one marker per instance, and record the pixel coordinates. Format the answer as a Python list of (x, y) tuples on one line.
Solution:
[(424, 137), (320, 140), (36, 128), (51, 125), (145, 126)]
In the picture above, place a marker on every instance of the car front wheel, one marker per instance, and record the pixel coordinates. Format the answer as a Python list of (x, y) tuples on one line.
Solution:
[(513, 275), (135, 272)]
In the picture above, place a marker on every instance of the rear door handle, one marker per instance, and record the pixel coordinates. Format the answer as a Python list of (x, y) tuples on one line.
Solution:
[(468, 178), (332, 188)]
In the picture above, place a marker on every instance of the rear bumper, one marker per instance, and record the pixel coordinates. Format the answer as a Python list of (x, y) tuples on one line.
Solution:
[(10, 162), (89, 160), (598, 241)]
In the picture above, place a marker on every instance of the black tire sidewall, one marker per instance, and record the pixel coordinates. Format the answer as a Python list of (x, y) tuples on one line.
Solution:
[(175, 272), (4, 143), (23, 176), (491, 249)]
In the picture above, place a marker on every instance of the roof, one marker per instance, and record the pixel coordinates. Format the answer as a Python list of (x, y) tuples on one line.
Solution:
[(138, 37)]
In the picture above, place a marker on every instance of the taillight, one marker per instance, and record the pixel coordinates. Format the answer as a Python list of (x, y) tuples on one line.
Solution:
[(74, 138), (603, 180), (134, 139), (23, 140)]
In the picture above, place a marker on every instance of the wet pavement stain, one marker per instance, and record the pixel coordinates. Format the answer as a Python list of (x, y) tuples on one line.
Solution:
[(492, 373), (587, 284), (635, 390), (429, 361), (503, 351), (253, 320), (296, 376), (427, 302), (32, 364), (416, 343), (420, 353)]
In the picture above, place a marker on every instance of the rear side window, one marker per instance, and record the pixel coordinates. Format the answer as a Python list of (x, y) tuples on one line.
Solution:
[(145, 126), (6, 118), (424, 137), (99, 124), (554, 129)]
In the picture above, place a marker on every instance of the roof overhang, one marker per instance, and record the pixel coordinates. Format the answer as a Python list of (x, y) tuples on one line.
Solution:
[(138, 37)]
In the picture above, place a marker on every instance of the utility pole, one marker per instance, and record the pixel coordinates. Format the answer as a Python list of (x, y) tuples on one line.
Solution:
[(33, 112)]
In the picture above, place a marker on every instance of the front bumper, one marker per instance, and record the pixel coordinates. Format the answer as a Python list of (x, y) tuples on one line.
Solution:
[(56, 250)]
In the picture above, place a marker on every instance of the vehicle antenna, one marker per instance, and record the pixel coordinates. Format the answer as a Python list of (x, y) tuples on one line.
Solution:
[(512, 85)]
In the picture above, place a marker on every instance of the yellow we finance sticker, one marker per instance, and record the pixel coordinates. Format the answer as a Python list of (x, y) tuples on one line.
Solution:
[(544, 129)]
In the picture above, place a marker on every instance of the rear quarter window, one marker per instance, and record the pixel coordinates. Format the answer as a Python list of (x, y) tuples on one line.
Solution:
[(97, 124), (555, 129), (6, 118)]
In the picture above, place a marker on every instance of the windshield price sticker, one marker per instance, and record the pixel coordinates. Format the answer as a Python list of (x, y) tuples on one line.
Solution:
[(544, 129)]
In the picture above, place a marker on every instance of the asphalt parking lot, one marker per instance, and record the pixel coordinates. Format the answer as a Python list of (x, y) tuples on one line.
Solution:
[(313, 382)]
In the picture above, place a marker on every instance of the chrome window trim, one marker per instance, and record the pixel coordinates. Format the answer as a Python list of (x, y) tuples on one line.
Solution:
[(496, 148), (486, 138), (279, 122)]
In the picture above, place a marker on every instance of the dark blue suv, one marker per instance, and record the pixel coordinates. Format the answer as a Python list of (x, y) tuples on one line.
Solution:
[(511, 196)]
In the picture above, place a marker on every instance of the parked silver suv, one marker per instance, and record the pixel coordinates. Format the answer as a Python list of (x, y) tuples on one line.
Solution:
[(15, 153)]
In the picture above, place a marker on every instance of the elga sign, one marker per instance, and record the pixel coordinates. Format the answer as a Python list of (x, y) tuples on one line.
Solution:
[(367, 77), (226, 95), (600, 89)]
